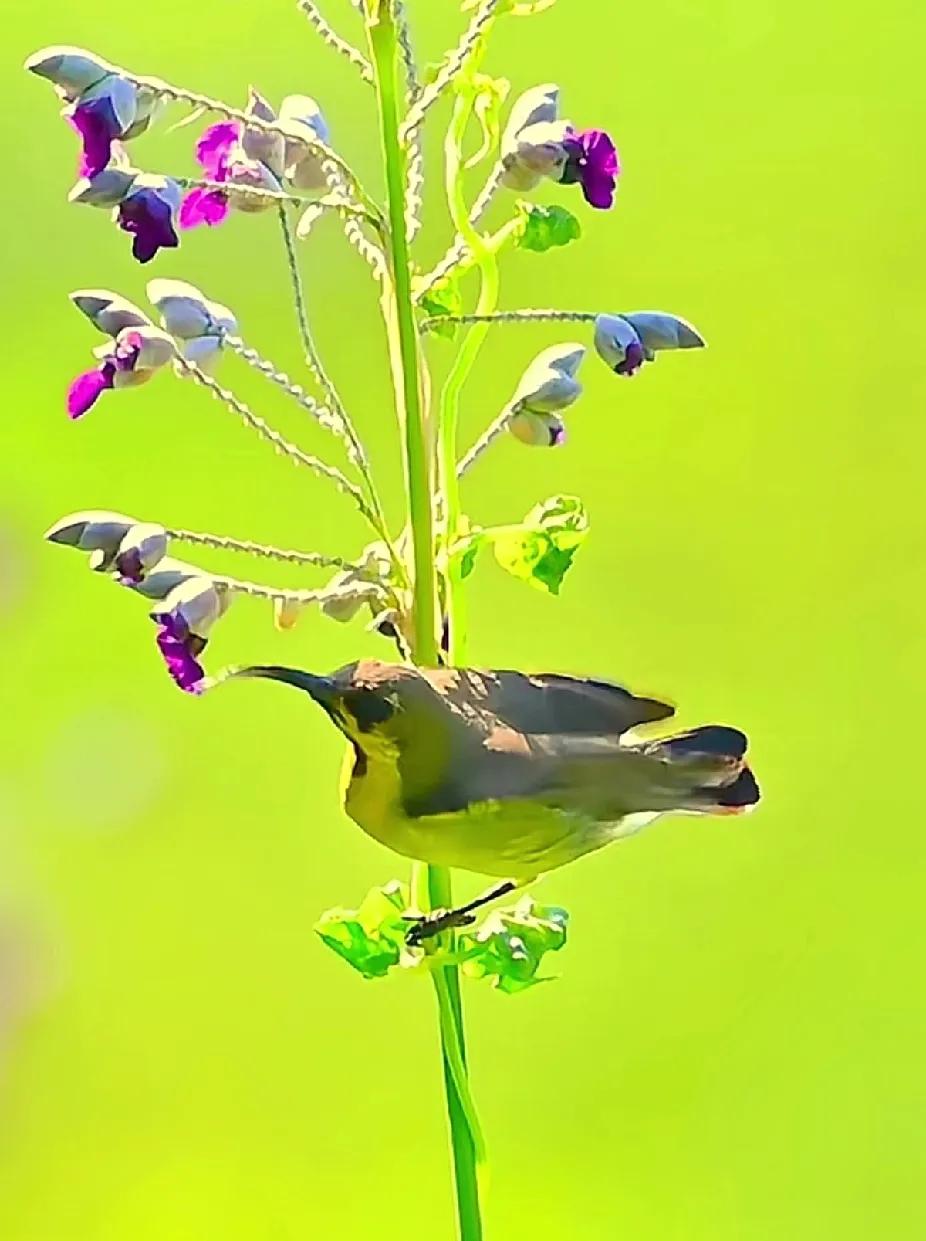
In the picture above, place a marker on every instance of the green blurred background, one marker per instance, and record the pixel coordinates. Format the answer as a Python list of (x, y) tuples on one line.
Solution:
[(734, 1051)]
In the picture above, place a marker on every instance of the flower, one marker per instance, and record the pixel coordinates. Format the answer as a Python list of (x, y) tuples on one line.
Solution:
[(147, 212), (99, 532), (538, 430), (214, 155), (301, 119), (548, 386), (143, 204), (624, 342), (237, 156), (132, 359), (71, 70), (537, 144), (199, 323), (143, 546), (107, 311), (188, 614), (592, 160)]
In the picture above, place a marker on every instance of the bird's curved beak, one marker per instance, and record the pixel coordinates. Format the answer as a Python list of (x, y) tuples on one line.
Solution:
[(322, 689)]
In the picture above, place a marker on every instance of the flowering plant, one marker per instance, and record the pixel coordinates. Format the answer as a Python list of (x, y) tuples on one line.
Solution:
[(409, 582)]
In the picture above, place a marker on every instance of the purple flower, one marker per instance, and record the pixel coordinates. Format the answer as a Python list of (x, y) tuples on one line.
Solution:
[(134, 357), (180, 649), (148, 213), (98, 126), (87, 387), (592, 160), (214, 152)]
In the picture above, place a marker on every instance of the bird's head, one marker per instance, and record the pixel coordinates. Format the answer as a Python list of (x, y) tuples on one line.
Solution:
[(374, 705)]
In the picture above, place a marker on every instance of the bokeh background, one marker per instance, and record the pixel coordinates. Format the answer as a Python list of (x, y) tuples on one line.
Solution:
[(734, 1051)]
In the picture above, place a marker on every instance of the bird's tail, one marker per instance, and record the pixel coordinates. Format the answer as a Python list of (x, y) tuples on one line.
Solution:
[(708, 768)]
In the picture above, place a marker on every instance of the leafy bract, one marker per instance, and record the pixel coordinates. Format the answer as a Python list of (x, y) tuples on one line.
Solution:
[(544, 228), (510, 945), (542, 548), (443, 299), (372, 937)]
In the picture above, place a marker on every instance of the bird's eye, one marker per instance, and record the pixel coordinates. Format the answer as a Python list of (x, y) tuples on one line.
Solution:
[(368, 708)]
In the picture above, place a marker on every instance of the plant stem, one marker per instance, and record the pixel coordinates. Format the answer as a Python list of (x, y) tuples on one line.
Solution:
[(404, 350), (484, 257)]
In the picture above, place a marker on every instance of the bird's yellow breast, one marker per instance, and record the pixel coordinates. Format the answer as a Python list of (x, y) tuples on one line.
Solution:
[(508, 839)]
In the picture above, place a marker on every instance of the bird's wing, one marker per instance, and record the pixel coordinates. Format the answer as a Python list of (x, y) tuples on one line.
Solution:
[(547, 702)]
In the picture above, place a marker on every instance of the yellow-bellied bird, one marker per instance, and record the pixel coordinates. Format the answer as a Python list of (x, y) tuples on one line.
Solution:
[(509, 774)]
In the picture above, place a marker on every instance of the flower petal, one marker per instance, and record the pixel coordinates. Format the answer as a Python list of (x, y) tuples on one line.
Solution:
[(179, 649), (203, 207), (86, 388), (214, 148), (150, 219), (98, 127)]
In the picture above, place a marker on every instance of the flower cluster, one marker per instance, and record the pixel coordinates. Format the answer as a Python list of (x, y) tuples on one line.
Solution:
[(537, 144), (191, 326), (244, 159), (134, 554)]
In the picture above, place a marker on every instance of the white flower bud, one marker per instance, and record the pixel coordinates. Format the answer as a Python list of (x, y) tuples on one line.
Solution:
[(203, 351), (148, 106), (187, 313), (618, 343), (538, 152), (108, 311), (96, 531), (106, 189), (251, 173), (166, 576), (121, 96), (72, 69), (658, 330), (142, 548), (257, 144), (549, 383), (538, 430), (539, 105), (198, 603), (301, 118)]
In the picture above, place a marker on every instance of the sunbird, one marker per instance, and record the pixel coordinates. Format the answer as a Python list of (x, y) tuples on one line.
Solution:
[(510, 774)]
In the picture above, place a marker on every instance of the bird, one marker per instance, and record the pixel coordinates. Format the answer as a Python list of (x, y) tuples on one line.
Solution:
[(511, 774)]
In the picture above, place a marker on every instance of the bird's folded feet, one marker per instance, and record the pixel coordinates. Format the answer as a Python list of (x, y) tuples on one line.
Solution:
[(435, 923)]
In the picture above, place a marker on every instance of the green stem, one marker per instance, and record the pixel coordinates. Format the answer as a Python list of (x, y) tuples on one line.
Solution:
[(484, 257), (404, 352)]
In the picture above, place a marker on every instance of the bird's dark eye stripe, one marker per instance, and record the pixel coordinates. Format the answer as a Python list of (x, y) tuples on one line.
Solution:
[(368, 708)]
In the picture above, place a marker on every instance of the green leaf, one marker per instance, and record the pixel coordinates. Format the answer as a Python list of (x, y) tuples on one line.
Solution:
[(542, 548), (444, 299), (509, 946), (371, 938), (545, 228)]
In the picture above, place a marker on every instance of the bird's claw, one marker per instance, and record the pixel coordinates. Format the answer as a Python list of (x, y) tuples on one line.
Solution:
[(427, 926)]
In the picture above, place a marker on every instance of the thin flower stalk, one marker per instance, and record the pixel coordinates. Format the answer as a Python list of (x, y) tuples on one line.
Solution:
[(414, 190), (321, 413), (246, 547), (470, 40), (282, 445), (488, 437), (302, 598), (330, 36), (513, 316)]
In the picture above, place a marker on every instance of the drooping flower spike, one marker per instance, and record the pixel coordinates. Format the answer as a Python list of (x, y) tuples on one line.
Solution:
[(101, 105)]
